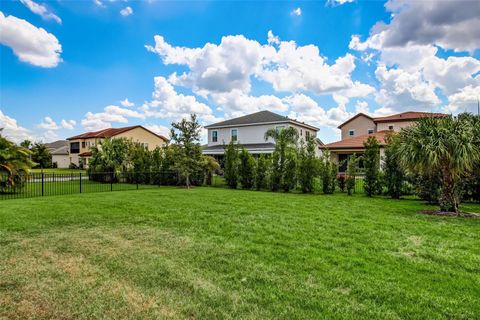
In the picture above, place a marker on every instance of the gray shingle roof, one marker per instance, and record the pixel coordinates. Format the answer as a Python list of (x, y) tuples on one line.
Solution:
[(61, 151), (57, 144), (257, 117)]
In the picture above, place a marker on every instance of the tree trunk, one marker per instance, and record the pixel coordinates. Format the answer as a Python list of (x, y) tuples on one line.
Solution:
[(187, 181), (449, 200)]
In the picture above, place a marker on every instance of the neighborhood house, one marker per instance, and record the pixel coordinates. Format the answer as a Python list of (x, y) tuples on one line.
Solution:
[(249, 132), (80, 145), (357, 129)]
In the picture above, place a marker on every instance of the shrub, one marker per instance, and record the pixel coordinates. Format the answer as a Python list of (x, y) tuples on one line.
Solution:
[(341, 179), (261, 170), (231, 165), (275, 172), (289, 176), (352, 166), (394, 174), (371, 160), (246, 169), (307, 166), (328, 173)]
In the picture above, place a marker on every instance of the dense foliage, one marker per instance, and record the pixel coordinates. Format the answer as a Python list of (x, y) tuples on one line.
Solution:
[(41, 155), (328, 172), (246, 169), (261, 170), (285, 144), (394, 175), (231, 165), (352, 165), (307, 166), (371, 160), (14, 162)]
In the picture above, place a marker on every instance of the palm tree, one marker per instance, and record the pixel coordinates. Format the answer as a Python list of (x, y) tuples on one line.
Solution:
[(446, 145), (210, 165), (14, 161)]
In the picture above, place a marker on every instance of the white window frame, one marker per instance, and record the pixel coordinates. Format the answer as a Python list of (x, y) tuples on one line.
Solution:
[(216, 131), (351, 132), (368, 131), (231, 134)]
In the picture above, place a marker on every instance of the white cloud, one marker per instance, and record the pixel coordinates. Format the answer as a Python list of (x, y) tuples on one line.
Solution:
[(296, 12), (338, 2), (11, 129), (48, 124), (362, 107), (159, 129), (466, 100), (126, 103), (41, 10), (68, 124), (126, 11), (29, 43), (166, 103), (49, 135), (110, 114)]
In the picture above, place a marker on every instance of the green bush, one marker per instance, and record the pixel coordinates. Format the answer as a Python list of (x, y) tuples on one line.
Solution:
[(231, 165), (246, 169), (261, 172)]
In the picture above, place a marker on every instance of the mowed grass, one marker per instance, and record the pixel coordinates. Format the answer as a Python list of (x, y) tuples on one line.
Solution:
[(212, 253)]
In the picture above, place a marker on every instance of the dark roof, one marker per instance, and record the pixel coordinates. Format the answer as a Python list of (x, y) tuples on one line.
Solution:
[(355, 117), (409, 115), (257, 117), (110, 132), (61, 151), (85, 154), (357, 142), (57, 144), (246, 146)]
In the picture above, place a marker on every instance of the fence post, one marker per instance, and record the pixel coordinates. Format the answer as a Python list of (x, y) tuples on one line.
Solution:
[(111, 181), (80, 182), (42, 184)]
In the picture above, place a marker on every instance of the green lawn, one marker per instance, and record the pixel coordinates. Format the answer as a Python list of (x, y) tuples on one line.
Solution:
[(216, 253), (58, 170)]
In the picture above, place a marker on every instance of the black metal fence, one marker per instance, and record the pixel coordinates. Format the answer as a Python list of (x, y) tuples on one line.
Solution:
[(50, 184)]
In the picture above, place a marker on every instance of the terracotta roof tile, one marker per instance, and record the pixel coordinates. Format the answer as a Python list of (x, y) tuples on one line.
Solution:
[(110, 132), (409, 115), (357, 142)]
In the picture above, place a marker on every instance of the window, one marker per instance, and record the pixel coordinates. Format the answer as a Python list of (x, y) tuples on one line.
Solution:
[(279, 128), (83, 144), (234, 135), (390, 127), (351, 133), (301, 132), (75, 147), (370, 131), (307, 134), (214, 136)]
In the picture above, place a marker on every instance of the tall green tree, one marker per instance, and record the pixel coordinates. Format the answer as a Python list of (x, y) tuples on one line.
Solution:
[(307, 166), (261, 170), (285, 141), (110, 155), (231, 165), (371, 160), (26, 144), (185, 134), (352, 171), (290, 174), (328, 172), (41, 155), (446, 145), (394, 173), (14, 161), (246, 167)]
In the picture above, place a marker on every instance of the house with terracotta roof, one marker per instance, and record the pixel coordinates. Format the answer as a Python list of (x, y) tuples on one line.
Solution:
[(249, 132), (80, 145), (356, 130)]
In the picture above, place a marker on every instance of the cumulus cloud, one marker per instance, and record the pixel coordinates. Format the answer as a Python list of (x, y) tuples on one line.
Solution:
[(127, 103), (49, 124), (41, 10), (68, 124), (167, 103), (11, 130), (29, 43), (159, 129), (466, 100), (126, 11), (102, 120), (338, 2), (296, 12)]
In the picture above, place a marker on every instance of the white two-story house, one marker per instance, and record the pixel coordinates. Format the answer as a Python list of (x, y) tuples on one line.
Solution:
[(249, 131)]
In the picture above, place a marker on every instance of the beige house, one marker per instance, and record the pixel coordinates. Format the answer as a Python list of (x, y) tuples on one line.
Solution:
[(356, 130), (80, 145), (59, 151), (249, 131)]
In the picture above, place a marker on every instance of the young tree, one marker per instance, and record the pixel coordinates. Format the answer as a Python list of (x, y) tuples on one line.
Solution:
[(307, 166), (186, 136), (371, 160), (290, 174), (246, 169), (394, 173), (328, 172), (41, 155), (446, 145), (231, 165), (261, 170), (26, 144), (352, 166), (210, 165), (14, 161), (285, 140)]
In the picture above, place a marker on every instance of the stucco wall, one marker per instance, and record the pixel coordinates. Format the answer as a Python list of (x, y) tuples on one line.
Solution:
[(141, 135), (360, 125), (397, 126), (63, 161)]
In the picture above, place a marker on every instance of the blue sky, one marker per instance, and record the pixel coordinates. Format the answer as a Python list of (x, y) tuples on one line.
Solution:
[(69, 66)]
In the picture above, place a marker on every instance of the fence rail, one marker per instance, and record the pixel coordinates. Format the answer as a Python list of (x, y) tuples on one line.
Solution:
[(50, 184)]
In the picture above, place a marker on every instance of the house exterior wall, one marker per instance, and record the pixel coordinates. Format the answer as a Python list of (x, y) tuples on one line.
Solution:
[(397, 125), (253, 134), (62, 160), (360, 125)]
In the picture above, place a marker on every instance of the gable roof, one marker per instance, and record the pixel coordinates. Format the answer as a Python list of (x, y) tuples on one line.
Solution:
[(360, 114), (111, 132), (409, 115), (260, 117), (357, 142), (56, 144), (60, 151)]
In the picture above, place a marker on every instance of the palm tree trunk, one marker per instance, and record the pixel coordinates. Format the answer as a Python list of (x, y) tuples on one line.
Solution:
[(449, 199)]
